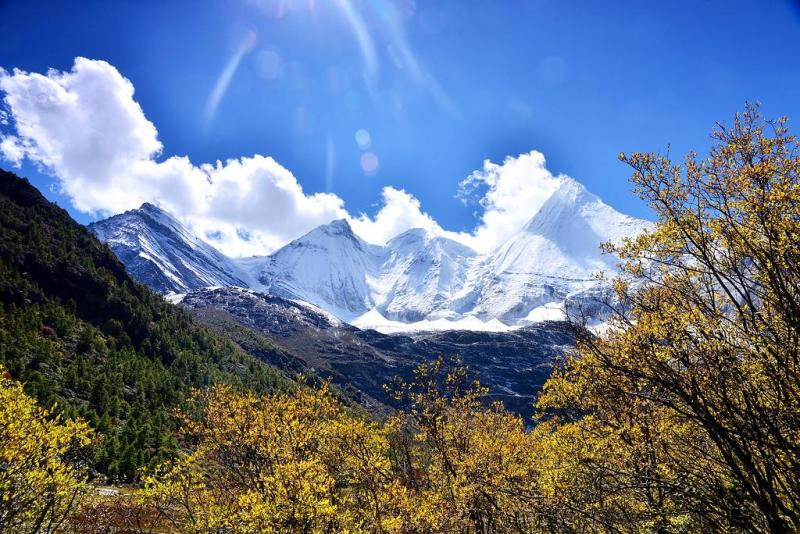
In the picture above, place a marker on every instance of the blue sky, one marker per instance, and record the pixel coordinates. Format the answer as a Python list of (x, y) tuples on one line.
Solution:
[(439, 86)]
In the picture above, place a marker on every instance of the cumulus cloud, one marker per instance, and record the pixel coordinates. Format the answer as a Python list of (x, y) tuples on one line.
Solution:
[(82, 124), (509, 194), (399, 212), (84, 127)]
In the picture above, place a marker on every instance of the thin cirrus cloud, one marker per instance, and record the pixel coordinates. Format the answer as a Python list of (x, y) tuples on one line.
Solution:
[(225, 77), (84, 127), (363, 37)]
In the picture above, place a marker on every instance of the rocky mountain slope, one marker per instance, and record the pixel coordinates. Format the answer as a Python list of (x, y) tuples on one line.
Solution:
[(512, 364), (161, 253)]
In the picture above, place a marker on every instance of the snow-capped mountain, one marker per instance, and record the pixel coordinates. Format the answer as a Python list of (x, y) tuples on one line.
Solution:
[(415, 281), (419, 274), (161, 253), (554, 258), (329, 266)]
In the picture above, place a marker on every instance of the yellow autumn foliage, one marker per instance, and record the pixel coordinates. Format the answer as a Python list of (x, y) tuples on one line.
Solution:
[(41, 484), (289, 462), (692, 399), (300, 462)]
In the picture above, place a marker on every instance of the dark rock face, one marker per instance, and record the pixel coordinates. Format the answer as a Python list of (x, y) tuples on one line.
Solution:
[(513, 365)]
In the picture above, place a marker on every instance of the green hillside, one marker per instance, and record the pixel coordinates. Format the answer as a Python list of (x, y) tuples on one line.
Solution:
[(84, 337)]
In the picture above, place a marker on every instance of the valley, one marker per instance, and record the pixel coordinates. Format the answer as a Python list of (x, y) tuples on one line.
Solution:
[(513, 365)]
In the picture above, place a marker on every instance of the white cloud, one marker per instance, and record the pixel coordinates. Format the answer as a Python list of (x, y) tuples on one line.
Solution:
[(85, 128), (12, 150), (84, 125), (514, 192), (399, 212), (260, 197)]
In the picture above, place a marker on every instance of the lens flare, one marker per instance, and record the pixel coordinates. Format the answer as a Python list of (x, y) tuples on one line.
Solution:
[(224, 80), (369, 163), (330, 163), (270, 65), (365, 42), (363, 139)]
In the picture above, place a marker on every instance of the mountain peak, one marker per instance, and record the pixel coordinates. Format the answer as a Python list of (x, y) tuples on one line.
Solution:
[(417, 240), (159, 214), (573, 189), (340, 225), (417, 232), (563, 208), (414, 235), (162, 253), (147, 206), (324, 233)]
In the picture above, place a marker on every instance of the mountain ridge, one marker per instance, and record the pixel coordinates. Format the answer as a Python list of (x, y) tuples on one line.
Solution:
[(514, 365), (416, 280), (162, 253)]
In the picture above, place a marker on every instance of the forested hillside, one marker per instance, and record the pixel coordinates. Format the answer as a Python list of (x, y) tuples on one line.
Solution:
[(84, 338)]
